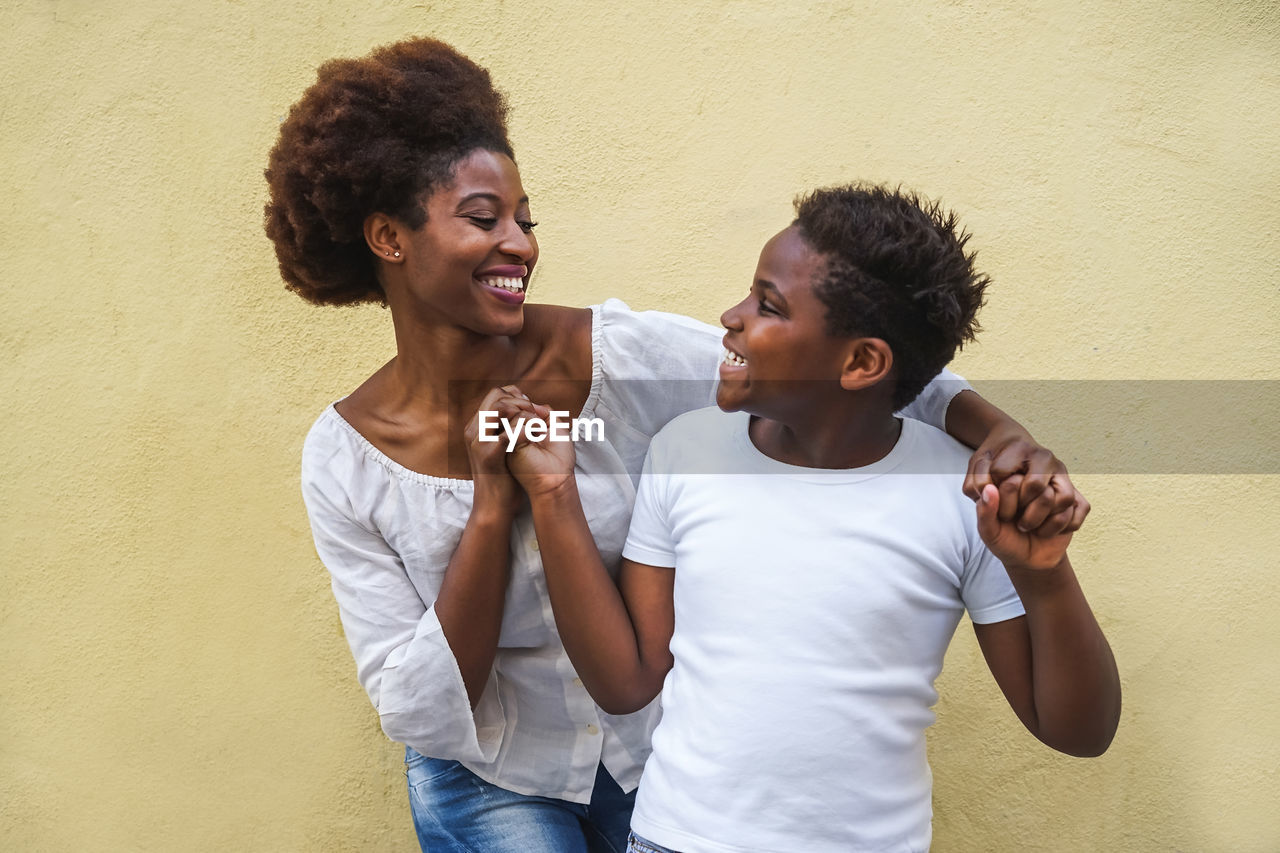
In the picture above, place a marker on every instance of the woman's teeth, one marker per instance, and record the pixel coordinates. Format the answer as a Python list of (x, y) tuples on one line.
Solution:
[(514, 285), (733, 359)]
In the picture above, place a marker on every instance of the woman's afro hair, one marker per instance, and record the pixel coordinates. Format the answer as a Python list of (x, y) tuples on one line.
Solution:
[(897, 269), (372, 135)]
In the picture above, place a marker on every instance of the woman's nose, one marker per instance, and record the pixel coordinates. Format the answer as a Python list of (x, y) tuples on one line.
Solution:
[(518, 242)]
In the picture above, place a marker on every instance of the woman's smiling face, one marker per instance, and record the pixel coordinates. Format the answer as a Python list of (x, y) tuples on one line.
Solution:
[(776, 340), (471, 260)]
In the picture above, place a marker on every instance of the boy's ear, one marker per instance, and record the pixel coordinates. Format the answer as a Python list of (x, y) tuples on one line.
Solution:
[(868, 361), (381, 235)]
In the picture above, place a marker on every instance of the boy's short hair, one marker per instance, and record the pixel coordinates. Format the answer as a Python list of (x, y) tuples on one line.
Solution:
[(896, 270)]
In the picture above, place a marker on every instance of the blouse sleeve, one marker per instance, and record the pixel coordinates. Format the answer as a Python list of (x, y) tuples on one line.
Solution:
[(655, 365), (931, 406), (402, 658)]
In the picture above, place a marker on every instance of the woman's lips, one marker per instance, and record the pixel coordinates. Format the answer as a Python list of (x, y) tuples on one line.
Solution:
[(508, 290), (506, 282), (504, 271)]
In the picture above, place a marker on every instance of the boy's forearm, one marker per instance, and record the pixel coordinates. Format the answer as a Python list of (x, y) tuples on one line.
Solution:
[(590, 614), (1075, 684)]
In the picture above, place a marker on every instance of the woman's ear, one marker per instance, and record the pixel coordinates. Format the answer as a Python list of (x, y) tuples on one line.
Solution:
[(869, 360), (381, 235)]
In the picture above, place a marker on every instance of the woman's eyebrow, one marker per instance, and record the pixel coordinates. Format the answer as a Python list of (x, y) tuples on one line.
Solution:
[(494, 197)]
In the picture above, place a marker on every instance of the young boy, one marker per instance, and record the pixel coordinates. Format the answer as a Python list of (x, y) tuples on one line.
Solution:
[(823, 553)]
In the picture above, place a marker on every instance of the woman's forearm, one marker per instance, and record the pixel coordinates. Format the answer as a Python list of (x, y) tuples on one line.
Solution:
[(972, 419), (473, 593)]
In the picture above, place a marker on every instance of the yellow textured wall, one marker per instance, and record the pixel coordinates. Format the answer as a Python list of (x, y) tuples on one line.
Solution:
[(174, 673)]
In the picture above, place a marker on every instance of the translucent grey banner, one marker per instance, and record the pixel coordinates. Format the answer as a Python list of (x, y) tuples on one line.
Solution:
[(1094, 426), (1161, 426)]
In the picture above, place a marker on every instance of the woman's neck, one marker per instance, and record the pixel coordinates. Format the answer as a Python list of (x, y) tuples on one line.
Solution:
[(447, 368)]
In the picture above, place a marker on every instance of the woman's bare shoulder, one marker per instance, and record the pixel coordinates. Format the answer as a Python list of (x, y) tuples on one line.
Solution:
[(557, 318), (362, 407), (562, 335)]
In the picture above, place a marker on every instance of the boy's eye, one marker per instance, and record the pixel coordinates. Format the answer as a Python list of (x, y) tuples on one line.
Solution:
[(764, 308)]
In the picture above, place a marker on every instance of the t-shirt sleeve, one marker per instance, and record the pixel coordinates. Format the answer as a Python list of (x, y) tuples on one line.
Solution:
[(650, 539), (654, 365), (932, 403), (986, 590), (402, 657)]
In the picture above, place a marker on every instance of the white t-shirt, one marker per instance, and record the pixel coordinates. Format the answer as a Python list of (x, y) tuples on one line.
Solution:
[(812, 611), (386, 534)]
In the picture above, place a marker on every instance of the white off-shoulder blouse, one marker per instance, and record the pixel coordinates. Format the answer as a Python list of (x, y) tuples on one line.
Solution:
[(386, 535)]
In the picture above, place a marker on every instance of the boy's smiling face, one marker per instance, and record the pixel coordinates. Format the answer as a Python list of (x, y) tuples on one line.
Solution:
[(778, 349)]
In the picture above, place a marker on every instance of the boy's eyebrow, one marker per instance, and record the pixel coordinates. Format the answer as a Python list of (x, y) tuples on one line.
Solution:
[(765, 284)]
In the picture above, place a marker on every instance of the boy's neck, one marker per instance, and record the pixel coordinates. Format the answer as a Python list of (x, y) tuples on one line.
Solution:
[(852, 435)]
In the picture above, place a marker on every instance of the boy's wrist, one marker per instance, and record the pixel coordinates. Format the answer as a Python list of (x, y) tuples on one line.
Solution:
[(560, 495), (1036, 581)]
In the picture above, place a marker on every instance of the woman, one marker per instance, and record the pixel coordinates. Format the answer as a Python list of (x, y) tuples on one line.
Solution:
[(393, 181)]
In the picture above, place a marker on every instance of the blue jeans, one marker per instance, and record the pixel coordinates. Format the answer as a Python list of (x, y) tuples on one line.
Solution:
[(636, 844), (455, 811)]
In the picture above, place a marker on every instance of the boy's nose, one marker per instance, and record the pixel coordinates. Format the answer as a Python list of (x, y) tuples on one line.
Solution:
[(731, 318)]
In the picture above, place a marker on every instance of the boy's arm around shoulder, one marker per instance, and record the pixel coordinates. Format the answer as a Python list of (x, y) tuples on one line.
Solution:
[(1053, 664)]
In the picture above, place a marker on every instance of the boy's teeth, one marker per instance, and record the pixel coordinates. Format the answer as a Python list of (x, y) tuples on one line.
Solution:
[(514, 285), (733, 359)]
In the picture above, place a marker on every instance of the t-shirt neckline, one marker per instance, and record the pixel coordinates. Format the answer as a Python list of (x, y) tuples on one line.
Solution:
[(761, 462)]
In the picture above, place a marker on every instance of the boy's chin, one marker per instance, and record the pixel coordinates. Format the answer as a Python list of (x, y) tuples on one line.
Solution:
[(727, 400), (733, 400)]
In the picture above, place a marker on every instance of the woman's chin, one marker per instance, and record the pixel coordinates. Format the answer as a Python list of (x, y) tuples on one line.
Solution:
[(505, 325)]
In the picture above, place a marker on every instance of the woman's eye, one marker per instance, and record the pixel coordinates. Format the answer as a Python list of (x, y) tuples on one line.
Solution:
[(485, 222), (526, 226)]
